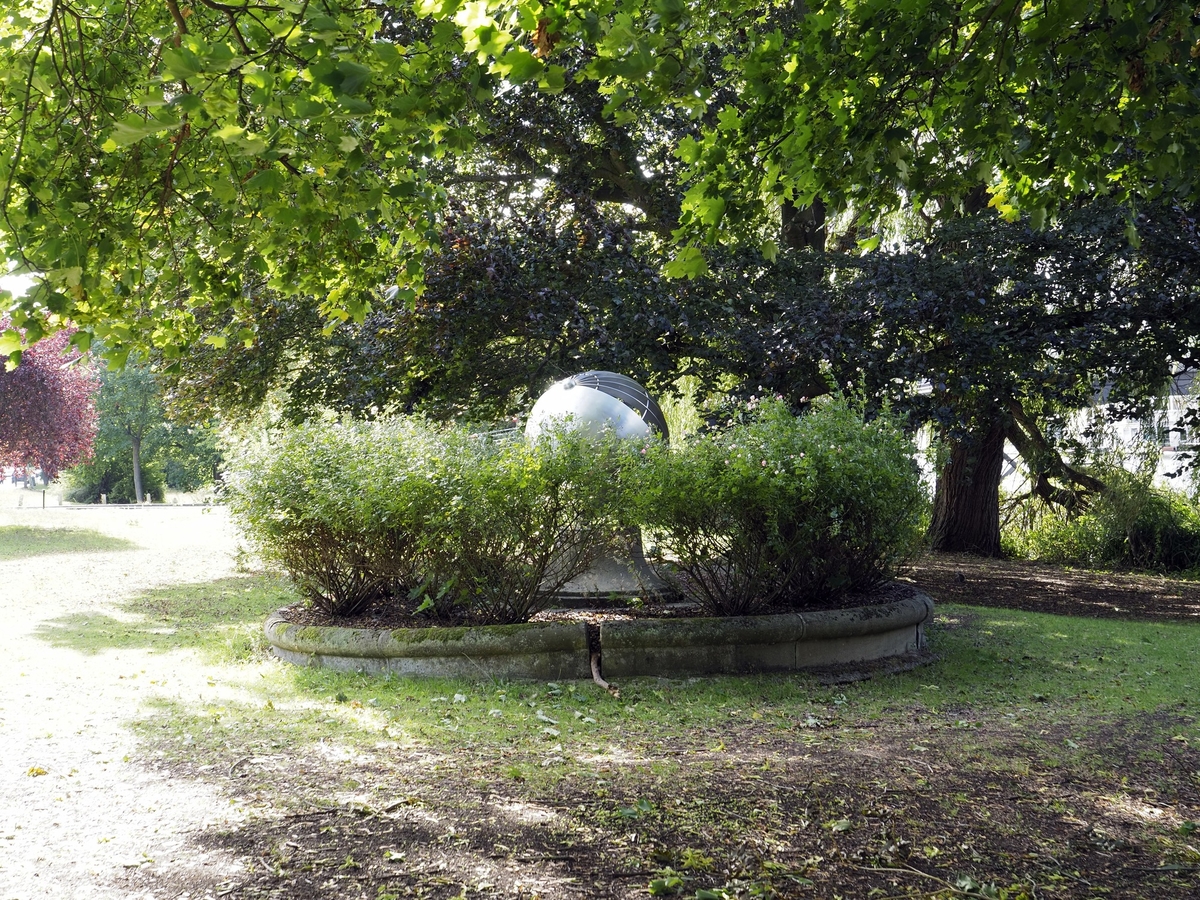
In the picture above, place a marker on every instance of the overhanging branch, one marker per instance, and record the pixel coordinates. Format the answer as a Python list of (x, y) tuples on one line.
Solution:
[(498, 178)]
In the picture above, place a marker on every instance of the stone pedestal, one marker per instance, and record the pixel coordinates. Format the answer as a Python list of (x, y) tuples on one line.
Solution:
[(615, 578)]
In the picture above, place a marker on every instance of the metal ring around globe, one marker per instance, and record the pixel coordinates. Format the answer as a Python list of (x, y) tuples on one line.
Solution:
[(575, 406)]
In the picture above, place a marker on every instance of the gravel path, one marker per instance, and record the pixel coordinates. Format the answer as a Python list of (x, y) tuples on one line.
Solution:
[(82, 813)]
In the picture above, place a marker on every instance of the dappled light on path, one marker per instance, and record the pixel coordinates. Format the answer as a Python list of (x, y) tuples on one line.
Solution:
[(82, 812)]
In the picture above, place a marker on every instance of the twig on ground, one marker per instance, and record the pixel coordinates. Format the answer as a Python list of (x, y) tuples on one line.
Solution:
[(541, 858)]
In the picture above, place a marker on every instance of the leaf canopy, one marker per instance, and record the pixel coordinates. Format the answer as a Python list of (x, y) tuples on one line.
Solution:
[(161, 160)]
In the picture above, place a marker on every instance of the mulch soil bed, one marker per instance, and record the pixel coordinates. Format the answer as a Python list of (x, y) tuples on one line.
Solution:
[(382, 614), (1036, 587)]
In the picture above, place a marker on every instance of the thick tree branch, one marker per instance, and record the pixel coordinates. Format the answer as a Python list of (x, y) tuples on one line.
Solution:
[(180, 22), (498, 178), (1024, 434)]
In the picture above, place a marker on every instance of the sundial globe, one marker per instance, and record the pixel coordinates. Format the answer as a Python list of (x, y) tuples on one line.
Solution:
[(597, 403)]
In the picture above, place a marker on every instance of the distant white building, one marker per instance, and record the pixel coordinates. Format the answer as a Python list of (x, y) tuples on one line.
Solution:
[(1164, 428), (1176, 444)]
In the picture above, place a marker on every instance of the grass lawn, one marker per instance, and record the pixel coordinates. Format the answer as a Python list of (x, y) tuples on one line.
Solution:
[(20, 541), (1039, 756)]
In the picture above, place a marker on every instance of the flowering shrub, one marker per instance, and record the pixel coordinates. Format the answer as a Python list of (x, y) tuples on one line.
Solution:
[(780, 511)]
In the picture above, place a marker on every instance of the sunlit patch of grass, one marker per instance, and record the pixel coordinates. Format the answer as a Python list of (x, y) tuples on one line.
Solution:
[(1008, 661), (22, 541), (220, 619)]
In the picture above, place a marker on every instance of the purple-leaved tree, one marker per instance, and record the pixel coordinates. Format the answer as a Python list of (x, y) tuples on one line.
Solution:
[(47, 406)]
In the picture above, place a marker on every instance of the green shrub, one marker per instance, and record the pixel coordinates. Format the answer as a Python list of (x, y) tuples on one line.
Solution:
[(435, 519), (517, 520), (1131, 525), (780, 511), (297, 499)]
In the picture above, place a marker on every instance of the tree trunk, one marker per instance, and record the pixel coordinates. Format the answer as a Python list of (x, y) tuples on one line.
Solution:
[(966, 503), (137, 469), (803, 228)]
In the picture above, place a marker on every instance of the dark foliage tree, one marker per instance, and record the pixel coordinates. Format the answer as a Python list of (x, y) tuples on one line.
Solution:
[(509, 305), (47, 407), (985, 329)]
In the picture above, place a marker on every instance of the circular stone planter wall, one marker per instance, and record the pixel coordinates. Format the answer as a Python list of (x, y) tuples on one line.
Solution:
[(535, 650), (779, 643), (667, 647)]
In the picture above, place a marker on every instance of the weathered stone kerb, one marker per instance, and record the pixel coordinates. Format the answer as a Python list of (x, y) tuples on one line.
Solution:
[(666, 647), (778, 643), (535, 650)]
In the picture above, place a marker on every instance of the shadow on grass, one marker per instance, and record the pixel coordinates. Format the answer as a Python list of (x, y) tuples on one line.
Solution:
[(220, 618), (840, 814), (1023, 741), (23, 541), (1021, 584)]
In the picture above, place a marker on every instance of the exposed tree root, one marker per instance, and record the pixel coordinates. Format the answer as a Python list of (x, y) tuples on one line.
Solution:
[(599, 679)]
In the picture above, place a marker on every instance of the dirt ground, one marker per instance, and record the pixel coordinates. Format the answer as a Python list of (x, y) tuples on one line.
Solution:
[(1017, 584), (859, 814), (937, 804)]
